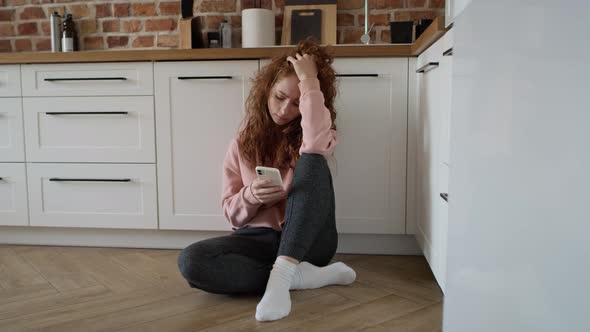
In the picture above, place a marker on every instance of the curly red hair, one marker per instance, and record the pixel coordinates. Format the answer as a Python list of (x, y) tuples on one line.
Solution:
[(261, 141)]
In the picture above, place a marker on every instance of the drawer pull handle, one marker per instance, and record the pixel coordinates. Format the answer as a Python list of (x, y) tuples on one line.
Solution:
[(205, 77), (448, 52), (57, 79), (1, 179), (66, 113), (424, 68), (92, 180), (445, 196), (357, 75)]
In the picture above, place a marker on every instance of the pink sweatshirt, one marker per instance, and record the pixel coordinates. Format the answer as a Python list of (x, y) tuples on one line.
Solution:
[(240, 207)]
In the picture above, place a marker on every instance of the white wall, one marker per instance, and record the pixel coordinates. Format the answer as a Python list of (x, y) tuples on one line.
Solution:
[(519, 222)]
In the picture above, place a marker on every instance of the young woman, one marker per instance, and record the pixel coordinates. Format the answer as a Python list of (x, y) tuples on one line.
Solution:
[(283, 238)]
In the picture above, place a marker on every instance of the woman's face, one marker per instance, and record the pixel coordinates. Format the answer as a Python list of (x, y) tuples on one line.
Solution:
[(283, 102)]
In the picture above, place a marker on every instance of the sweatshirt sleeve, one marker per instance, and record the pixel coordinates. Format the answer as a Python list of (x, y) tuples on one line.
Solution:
[(239, 205), (316, 123)]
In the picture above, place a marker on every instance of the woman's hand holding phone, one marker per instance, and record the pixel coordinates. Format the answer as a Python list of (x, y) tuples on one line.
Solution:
[(266, 194)]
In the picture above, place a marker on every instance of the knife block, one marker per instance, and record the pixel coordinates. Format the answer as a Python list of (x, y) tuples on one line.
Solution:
[(189, 31)]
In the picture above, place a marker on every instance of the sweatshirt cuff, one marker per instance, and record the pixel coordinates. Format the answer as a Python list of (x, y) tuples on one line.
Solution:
[(309, 84), (249, 197)]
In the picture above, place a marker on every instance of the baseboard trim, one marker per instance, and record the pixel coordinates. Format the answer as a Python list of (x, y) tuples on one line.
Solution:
[(174, 239)]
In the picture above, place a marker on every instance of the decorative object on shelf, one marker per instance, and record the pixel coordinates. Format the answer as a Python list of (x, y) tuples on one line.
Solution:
[(189, 27), (421, 26), (213, 39), (401, 32), (55, 26), (309, 18), (258, 26), (69, 39), (225, 34), (366, 37)]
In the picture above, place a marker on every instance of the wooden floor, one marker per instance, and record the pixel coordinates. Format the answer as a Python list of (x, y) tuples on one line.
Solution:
[(109, 289)]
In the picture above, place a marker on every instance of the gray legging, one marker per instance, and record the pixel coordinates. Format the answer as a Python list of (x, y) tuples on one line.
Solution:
[(240, 263)]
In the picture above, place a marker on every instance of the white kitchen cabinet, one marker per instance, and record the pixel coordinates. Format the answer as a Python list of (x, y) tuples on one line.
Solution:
[(12, 147), (454, 8), (10, 81), (90, 129), (88, 79), (199, 106), (370, 178), (92, 195), (13, 195), (432, 160)]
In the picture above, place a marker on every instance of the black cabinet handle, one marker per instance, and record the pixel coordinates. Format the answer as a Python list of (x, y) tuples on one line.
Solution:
[(85, 79), (205, 77), (357, 75), (445, 196), (66, 113), (0, 179), (424, 68), (448, 52), (89, 180)]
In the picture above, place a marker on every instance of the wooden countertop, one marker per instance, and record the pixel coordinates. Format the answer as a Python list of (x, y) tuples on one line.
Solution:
[(430, 35)]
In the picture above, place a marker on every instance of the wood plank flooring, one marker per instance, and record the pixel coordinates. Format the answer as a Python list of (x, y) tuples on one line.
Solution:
[(48, 288)]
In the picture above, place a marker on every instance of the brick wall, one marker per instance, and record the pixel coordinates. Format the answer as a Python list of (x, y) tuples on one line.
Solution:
[(116, 24)]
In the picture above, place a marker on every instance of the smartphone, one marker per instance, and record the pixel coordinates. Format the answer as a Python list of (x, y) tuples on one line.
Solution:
[(269, 173)]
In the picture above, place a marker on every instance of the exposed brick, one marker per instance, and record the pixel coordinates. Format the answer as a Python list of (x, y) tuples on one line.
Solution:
[(413, 15), (267, 4), (43, 44), (353, 36), (6, 29), (15, 2), (280, 4), (386, 36), (27, 29), (59, 9), (86, 26), (23, 45), (143, 9), (132, 26), (345, 19), (143, 41), (416, 3), (31, 13), (5, 45), (223, 6), (163, 24), (169, 8), (78, 11), (103, 10), (378, 19), (437, 3), (65, 0), (350, 4), (45, 28), (121, 9), (37, 2), (386, 4), (6, 14), (111, 26), (93, 43), (168, 41), (278, 21), (236, 21), (117, 41), (213, 21)]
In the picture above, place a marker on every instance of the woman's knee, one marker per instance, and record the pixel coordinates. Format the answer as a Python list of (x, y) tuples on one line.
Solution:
[(192, 258)]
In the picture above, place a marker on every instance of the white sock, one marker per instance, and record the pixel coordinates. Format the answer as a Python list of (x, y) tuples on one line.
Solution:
[(276, 302), (310, 276)]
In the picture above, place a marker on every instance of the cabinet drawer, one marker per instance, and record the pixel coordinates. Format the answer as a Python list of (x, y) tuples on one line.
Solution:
[(88, 79), (92, 195), (90, 129), (13, 195), (12, 146), (9, 81)]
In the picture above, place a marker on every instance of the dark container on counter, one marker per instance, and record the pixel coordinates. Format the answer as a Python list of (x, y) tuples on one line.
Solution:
[(401, 32)]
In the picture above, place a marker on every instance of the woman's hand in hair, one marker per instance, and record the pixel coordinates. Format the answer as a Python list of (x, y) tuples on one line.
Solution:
[(265, 194), (304, 65)]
